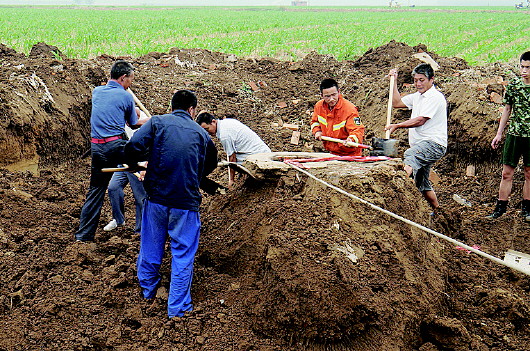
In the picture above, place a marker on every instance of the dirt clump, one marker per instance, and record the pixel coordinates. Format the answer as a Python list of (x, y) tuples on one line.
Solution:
[(286, 264)]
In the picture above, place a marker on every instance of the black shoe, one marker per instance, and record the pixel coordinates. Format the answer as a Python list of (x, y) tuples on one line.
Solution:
[(500, 209), (496, 214)]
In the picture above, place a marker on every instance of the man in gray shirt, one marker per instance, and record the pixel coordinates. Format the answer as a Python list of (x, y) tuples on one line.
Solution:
[(238, 140)]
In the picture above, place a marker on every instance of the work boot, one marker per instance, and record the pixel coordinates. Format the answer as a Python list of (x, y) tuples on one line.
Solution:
[(499, 210)]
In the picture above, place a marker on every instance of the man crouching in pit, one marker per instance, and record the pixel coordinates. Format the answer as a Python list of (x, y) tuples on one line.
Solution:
[(427, 128)]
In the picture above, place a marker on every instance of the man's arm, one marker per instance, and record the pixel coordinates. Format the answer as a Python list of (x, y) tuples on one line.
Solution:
[(355, 128), (506, 112), (315, 125), (142, 118), (137, 148), (231, 171), (210, 159), (411, 123)]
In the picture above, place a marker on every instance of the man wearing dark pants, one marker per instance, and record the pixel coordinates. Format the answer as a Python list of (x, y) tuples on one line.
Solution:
[(179, 153), (517, 143), (112, 108)]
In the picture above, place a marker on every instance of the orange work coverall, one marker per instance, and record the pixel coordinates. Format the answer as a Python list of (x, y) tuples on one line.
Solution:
[(340, 122)]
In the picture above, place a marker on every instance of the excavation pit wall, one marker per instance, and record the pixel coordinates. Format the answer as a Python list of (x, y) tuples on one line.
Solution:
[(288, 239), (268, 277)]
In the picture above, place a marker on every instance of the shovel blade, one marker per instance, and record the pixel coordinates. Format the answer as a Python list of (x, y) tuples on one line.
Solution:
[(384, 147)]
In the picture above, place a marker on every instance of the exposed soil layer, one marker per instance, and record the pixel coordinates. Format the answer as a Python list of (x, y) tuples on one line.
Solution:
[(271, 272)]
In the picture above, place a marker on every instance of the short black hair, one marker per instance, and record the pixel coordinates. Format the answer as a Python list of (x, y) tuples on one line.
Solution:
[(183, 100), (525, 56), (120, 68), (425, 69), (205, 117), (328, 83)]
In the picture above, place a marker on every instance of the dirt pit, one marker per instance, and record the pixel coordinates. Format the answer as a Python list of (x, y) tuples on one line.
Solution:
[(272, 271)]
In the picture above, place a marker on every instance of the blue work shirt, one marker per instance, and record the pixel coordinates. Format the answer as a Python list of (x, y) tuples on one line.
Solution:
[(179, 153), (112, 107)]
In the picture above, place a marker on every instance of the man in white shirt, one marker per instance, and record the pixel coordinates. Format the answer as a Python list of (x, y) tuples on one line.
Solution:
[(427, 128), (238, 140)]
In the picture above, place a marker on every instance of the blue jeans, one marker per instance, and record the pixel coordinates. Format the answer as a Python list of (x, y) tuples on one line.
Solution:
[(103, 156), (117, 183), (183, 228)]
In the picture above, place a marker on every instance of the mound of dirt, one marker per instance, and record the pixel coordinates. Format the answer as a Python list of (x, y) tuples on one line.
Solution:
[(282, 265)]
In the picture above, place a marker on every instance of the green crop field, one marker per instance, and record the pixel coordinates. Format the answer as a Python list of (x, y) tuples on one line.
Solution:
[(478, 35)]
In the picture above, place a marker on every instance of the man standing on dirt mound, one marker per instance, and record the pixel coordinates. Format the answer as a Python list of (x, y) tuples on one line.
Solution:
[(112, 108), (336, 117), (517, 144), (427, 128), (179, 153)]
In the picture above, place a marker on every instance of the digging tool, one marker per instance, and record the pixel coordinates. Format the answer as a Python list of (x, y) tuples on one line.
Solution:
[(209, 186), (125, 168), (346, 142), (237, 167), (386, 146), (139, 103)]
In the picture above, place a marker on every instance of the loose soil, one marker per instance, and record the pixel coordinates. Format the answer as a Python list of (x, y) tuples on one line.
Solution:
[(270, 273)]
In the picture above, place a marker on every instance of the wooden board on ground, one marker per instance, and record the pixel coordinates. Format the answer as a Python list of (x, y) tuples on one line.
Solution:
[(295, 138)]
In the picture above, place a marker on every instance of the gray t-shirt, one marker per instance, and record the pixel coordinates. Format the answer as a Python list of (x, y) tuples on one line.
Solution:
[(239, 139)]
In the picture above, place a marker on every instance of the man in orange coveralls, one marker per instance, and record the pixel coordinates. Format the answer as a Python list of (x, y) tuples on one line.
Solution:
[(336, 117)]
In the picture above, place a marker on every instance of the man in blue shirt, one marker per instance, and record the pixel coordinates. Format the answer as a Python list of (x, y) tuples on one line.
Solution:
[(112, 108), (180, 154)]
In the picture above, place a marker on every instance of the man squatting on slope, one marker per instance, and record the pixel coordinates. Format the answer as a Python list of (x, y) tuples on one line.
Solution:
[(238, 140), (427, 128), (517, 144), (112, 108), (336, 117)]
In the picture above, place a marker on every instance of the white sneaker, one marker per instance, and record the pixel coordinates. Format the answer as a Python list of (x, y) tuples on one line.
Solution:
[(112, 225)]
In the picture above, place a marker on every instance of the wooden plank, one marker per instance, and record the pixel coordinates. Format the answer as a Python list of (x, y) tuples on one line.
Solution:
[(295, 138)]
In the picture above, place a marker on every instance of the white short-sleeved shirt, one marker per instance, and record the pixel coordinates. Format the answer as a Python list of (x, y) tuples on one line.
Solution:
[(239, 139), (431, 104)]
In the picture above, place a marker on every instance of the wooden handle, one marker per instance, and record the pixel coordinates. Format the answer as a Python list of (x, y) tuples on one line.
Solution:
[(347, 143), (139, 103), (389, 109), (125, 168)]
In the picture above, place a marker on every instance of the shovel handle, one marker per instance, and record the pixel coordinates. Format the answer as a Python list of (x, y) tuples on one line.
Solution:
[(389, 108), (345, 142), (139, 103)]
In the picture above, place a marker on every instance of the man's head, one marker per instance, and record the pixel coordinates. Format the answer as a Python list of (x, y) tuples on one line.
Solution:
[(525, 66), (184, 100), (208, 122), (423, 75), (122, 72), (329, 89)]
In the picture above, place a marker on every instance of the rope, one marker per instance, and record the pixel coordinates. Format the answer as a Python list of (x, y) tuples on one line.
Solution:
[(414, 224)]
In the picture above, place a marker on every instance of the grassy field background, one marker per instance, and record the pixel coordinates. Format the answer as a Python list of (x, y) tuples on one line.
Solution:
[(478, 35)]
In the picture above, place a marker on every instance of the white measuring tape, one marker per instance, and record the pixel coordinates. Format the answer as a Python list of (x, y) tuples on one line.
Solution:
[(414, 224)]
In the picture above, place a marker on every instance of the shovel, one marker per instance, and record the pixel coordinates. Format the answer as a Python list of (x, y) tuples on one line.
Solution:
[(386, 146), (346, 142), (237, 167)]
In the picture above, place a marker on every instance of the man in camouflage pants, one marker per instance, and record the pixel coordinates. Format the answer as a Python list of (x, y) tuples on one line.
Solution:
[(517, 144)]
